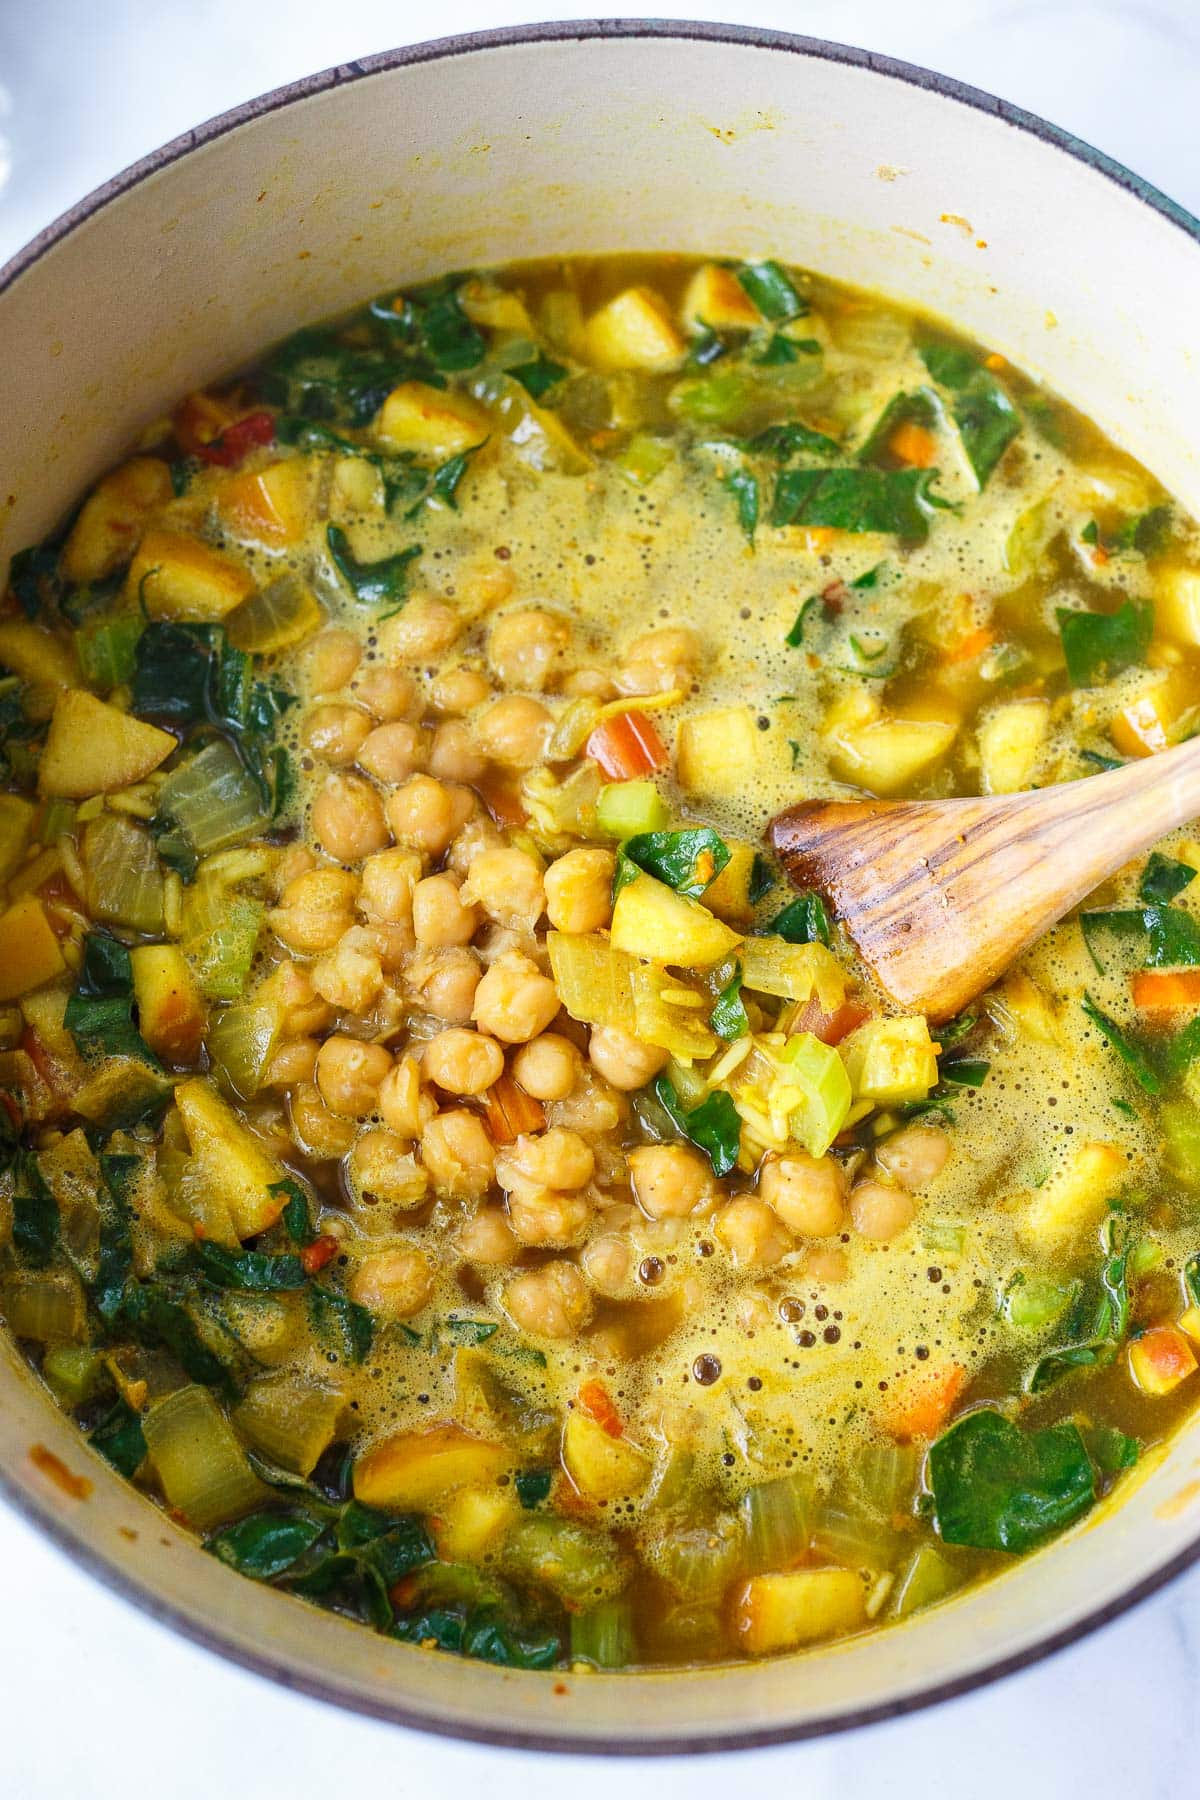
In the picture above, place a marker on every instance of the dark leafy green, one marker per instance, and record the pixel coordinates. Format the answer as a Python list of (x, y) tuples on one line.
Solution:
[(782, 442), (114, 1262), (772, 291), (713, 1126), (918, 408), (118, 1437), (297, 1213), (253, 1271), (1154, 937), (380, 583), (688, 861), (1146, 533), (539, 375), (728, 1016), (1098, 646), (745, 490), (986, 418), (100, 1011), (336, 1318), (35, 1222), (803, 920), (996, 1487), (265, 1544), (533, 1487), (966, 1072), (158, 1320), (1101, 1334), (1133, 1058), (892, 500), (1164, 877)]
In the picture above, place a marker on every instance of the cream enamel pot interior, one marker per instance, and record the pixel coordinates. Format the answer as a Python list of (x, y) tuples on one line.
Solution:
[(617, 136)]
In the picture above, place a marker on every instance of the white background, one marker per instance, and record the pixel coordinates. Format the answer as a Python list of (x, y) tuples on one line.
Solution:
[(97, 1701)]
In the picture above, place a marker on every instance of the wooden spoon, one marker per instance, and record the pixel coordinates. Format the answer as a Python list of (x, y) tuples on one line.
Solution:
[(940, 896)]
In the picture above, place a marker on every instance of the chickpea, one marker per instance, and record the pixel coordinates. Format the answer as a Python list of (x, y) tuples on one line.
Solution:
[(547, 1067), (592, 1107), (460, 690), (392, 944), (426, 629), (296, 860), (387, 693), (606, 1263), (444, 983), (388, 880), (880, 1213), (579, 890), (439, 916), (624, 1060), (394, 751), (669, 1180), (546, 1220), (552, 1301), (347, 818), (807, 1192), (526, 649), (426, 813), (331, 660), (514, 1001), (507, 883), (395, 1284), (349, 1073), (486, 1238), (751, 1233), (458, 1154), (289, 990), (383, 1170), (659, 661), (350, 977), (403, 1107), (591, 684), (914, 1156), (454, 755), (515, 731), (549, 1159), (318, 1132), (463, 1062), (335, 732), (315, 910), (827, 1266), (293, 1063), (477, 835)]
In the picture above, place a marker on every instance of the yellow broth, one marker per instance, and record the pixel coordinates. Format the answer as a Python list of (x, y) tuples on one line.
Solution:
[(406, 1180)]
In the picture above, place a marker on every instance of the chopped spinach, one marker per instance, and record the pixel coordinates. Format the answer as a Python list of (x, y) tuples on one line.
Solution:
[(35, 1222), (533, 1486), (159, 1321), (858, 500), (99, 1014), (745, 490), (114, 1262), (1163, 878), (378, 583), (539, 375), (917, 408), (337, 1318), (118, 1437), (296, 1214), (997, 1487), (1100, 1336), (966, 1072), (265, 1544), (688, 861), (1098, 646), (728, 1017), (1145, 533), (1159, 937), (782, 442), (254, 1271), (986, 418), (713, 1126), (803, 920), (1133, 1058)]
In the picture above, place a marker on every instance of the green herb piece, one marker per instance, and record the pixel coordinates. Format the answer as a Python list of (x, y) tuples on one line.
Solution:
[(1158, 937), (296, 1215), (1100, 1341), (1184, 1048), (966, 1072), (533, 1486), (253, 1271), (744, 488), (1111, 1450), (99, 1013), (114, 1261), (336, 1316), (35, 1222), (461, 1330), (1098, 646), (762, 878), (713, 1126), (793, 439), (156, 1320), (1145, 533), (118, 1438), (771, 291), (1191, 1277), (803, 920), (958, 1028), (795, 636), (707, 347), (1163, 878), (265, 1544), (728, 1017), (378, 583), (35, 577), (688, 861), (447, 336), (918, 408), (857, 500), (986, 418), (107, 651), (1128, 1051), (538, 376), (996, 1487)]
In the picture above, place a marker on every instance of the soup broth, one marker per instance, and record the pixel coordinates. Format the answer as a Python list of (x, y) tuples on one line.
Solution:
[(444, 1163)]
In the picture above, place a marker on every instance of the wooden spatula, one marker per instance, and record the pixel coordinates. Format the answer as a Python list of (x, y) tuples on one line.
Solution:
[(939, 896)]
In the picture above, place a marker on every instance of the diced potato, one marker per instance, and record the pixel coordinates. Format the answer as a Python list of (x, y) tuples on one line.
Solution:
[(891, 1061), (495, 308), (634, 331), (433, 422), (113, 517), (1022, 1000), (234, 1163), (171, 1012), (716, 297), (16, 824), (94, 748), (471, 1522), (414, 1471), (717, 752), (1011, 741), (1177, 604), (1075, 1196), (272, 505), (729, 895), (36, 656), (1189, 1323), (1160, 1359), (1145, 724), (651, 920), (178, 577), (880, 753), (29, 951), (801, 1606), (602, 1467)]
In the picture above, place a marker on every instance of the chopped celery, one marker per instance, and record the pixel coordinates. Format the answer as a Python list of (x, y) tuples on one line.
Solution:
[(718, 399), (561, 810), (58, 820), (123, 878), (106, 651), (594, 980), (221, 957), (241, 1041), (214, 799), (812, 1090), (886, 1475), (777, 1517), (929, 1577), (198, 1460), (75, 1373), (624, 809), (579, 1565), (1180, 1122), (697, 1562), (290, 1420), (643, 458), (891, 1060), (603, 1636), (946, 1238), (1033, 1302), (45, 1305), (852, 1536)]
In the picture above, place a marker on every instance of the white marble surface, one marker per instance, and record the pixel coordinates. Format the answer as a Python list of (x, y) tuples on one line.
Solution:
[(97, 1701)]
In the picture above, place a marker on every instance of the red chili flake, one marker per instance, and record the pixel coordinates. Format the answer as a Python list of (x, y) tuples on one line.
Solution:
[(314, 1256)]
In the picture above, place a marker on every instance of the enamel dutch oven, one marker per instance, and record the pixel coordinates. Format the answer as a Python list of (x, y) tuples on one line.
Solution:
[(588, 138)]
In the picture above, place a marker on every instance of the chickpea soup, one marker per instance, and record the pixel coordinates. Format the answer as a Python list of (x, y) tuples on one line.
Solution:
[(443, 1163)]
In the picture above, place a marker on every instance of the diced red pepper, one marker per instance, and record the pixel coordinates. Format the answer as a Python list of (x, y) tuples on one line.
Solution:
[(831, 1027), (627, 746), (314, 1256), (511, 1111), (253, 432), (594, 1400)]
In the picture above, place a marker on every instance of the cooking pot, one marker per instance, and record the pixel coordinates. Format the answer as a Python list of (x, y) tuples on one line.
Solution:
[(587, 138)]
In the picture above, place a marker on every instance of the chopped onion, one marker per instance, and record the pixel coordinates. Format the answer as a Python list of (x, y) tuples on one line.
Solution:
[(290, 1420), (777, 1519), (46, 1306)]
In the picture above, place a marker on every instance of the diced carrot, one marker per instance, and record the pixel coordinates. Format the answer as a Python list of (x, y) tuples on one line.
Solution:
[(969, 647), (913, 444), (594, 1400), (314, 1256), (627, 746), (919, 1403), (995, 361), (511, 1111), (1162, 990), (1160, 1359)]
